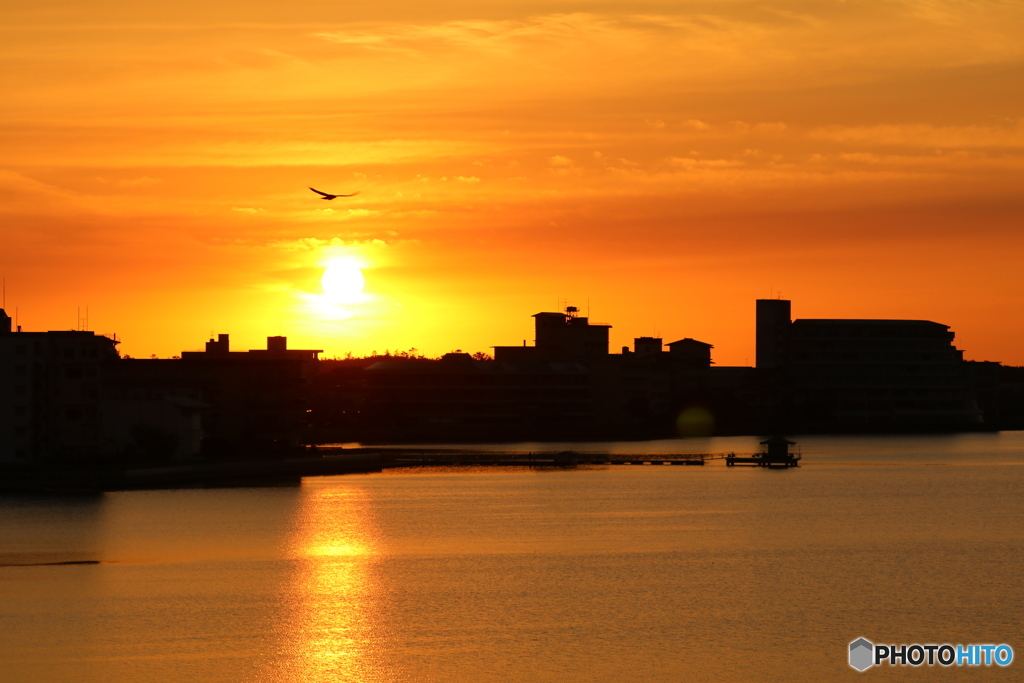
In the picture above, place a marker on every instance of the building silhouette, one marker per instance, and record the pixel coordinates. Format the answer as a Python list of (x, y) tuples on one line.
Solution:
[(457, 398), (566, 385), (50, 400), (559, 337), (277, 349), (68, 397), (258, 399), (862, 374), (153, 410), (773, 322), (1000, 392)]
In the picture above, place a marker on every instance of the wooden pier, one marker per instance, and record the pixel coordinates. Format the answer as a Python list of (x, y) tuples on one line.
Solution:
[(775, 454), (400, 457)]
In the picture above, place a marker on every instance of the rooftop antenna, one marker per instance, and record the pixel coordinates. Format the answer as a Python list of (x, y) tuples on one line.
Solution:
[(5, 294)]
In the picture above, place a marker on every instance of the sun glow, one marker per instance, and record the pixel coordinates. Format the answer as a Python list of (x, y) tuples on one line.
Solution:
[(343, 281), (342, 285)]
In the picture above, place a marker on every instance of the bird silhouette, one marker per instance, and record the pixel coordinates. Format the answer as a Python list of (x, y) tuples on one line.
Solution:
[(332, 196)]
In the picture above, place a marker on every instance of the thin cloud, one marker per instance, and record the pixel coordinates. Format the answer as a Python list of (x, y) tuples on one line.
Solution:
[(925, 135), (687, 162)]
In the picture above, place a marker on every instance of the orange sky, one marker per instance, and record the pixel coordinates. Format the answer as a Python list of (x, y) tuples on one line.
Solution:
[(670, 162)]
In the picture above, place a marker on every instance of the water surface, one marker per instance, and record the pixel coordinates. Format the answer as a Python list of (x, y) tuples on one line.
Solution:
[(641, 573)]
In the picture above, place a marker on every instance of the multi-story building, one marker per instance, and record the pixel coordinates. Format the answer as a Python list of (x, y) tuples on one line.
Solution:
[(257, 399), (559, 337), (67, 396), (50, 408), (862, 374), (638, 392)]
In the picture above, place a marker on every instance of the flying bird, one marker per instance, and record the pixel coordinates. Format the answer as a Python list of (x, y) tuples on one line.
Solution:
[(332, 196)]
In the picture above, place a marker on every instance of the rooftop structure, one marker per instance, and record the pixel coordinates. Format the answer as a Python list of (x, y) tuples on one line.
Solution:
[(277, 347), (559, 337)]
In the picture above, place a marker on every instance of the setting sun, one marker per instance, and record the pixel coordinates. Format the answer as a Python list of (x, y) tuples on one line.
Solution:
[(343, 281)]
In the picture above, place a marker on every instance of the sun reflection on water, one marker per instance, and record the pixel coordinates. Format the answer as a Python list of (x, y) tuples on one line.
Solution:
[(331, 606)]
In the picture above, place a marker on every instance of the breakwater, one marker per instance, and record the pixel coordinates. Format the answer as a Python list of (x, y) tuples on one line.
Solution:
[(204, 474)]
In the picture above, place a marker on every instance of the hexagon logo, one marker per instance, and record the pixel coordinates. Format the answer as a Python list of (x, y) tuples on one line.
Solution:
[(862, 654)]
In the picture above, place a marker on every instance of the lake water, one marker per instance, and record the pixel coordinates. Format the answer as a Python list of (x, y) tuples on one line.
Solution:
[(621, 573)]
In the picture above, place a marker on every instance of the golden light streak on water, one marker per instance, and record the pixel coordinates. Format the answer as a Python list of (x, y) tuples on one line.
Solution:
[(329, 605)]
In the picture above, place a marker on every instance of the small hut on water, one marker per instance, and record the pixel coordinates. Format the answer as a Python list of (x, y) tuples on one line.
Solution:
[(774, 453)]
